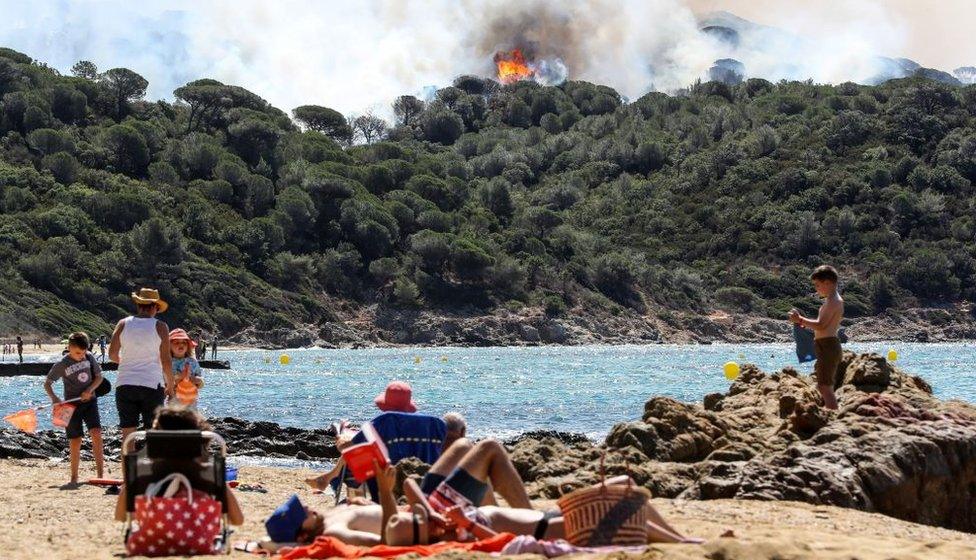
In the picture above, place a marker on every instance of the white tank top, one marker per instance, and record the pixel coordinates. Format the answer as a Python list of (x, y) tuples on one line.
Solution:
[(139, 362)]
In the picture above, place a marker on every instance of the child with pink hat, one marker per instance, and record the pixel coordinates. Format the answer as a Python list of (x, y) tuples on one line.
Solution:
[(186, 368)]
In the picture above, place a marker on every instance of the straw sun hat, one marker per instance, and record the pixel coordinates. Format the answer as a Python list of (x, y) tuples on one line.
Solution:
[(149, 296)]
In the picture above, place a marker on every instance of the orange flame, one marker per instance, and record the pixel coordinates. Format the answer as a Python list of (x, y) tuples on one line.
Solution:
[(512, 67)]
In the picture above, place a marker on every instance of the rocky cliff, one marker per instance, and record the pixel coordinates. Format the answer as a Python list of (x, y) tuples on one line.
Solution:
[(892, 447)]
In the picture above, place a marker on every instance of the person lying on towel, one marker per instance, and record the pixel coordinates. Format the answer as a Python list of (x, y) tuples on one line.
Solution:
[(443, 507)]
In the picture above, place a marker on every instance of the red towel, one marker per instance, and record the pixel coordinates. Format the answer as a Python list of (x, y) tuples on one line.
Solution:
[(331, 547)]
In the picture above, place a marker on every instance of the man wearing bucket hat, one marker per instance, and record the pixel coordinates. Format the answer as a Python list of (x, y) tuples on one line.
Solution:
[(140, 345)]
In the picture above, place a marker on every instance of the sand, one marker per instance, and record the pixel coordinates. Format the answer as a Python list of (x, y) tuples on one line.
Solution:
[(40, 519)]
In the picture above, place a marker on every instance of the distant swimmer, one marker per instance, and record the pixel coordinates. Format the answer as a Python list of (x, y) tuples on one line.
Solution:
[(827, 347)]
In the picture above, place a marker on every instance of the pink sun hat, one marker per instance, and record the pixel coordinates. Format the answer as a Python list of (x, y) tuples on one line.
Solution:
[(398, 397)]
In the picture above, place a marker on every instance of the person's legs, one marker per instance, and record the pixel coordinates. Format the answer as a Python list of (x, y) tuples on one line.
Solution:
[(74, 445), (451, 458), (152, 399), (829, 355), (98, 451), (127, 405), (489, 462), (827, 392)]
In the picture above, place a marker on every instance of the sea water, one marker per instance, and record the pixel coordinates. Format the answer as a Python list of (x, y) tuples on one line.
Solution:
[(501, 391)]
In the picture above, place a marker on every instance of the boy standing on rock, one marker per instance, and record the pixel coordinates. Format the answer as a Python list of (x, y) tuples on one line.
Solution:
[(826, 342)]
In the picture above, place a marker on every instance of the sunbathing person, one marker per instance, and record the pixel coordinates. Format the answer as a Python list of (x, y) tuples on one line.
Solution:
[(422, 523), (179, 417), (449, 500)]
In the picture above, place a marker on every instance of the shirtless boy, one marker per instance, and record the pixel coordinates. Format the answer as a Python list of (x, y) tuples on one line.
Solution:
[(825, 326)]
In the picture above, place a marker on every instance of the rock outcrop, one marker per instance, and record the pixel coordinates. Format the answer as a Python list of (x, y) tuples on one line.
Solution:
[(892, 447), (259, 439)]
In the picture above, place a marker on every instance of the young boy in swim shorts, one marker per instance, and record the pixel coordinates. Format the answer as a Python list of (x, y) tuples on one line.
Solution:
[(826, 341)]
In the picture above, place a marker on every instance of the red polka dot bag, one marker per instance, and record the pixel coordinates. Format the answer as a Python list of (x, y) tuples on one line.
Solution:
[(173, 519)]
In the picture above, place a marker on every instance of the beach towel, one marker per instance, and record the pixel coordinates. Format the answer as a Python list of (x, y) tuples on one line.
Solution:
[(409, 434), (331, 547), (526, 544), (406, 434), (804, 343)]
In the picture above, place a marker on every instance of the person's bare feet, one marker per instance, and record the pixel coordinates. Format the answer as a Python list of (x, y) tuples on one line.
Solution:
[(318, 482)]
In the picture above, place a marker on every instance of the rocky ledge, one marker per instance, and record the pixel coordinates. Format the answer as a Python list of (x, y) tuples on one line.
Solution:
[(892, 448), (258, 439), (380, 326)]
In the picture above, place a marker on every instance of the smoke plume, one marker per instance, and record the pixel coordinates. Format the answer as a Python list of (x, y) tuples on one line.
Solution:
[(355, 56)]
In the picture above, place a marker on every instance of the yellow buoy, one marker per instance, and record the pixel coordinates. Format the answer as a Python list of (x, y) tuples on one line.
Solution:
[(731, 370), (892, 356), (416, 359), (285, 359)]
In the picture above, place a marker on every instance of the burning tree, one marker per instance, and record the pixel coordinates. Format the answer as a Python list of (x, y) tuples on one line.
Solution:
[(512, 67)]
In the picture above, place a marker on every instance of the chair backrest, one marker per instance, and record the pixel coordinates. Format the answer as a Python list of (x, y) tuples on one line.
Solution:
[(183, 451), (406, 435)]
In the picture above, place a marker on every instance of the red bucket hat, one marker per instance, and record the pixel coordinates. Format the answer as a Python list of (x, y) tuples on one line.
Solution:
[(396, 398), (180, 334)]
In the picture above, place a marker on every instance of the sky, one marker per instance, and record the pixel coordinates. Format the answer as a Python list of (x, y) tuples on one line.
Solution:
[(358, 56)]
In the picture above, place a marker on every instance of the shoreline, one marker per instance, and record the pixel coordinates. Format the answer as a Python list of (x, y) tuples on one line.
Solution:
[(382, 328), (762, 459), (83, 525), (377, 327)]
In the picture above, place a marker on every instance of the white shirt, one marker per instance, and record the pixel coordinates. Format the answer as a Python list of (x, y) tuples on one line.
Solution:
[(139, 362)]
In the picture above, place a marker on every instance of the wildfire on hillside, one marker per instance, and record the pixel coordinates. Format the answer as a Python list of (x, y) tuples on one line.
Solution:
[(512, 67)]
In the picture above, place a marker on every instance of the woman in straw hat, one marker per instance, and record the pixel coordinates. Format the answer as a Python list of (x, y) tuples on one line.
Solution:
[(140, 345)]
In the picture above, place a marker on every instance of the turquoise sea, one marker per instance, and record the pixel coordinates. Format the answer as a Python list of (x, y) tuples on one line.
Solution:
[(501, 391)]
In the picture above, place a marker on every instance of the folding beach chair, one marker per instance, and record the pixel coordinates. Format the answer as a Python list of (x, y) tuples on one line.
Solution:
[(187, 452), (406, 434)]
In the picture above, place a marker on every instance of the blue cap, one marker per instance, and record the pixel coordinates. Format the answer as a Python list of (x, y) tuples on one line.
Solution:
[(285, 522)]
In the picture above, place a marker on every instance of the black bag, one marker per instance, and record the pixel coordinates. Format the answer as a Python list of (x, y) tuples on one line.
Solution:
[(105, 387)]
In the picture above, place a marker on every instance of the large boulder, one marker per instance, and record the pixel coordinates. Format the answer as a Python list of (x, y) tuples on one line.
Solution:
[(892, 447)]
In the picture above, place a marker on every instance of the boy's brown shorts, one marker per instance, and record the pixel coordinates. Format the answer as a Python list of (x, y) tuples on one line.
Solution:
[(828, 353)]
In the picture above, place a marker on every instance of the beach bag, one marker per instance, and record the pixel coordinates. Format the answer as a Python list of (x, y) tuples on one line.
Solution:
[(174, 525), (606, 514)]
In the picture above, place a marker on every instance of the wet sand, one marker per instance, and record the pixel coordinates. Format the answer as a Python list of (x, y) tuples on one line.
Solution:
[(43, 520)]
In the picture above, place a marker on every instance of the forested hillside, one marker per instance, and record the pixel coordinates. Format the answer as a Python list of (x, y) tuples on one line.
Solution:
[(568, 199)]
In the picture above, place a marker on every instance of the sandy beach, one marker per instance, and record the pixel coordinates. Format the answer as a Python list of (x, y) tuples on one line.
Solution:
[(42, 520)]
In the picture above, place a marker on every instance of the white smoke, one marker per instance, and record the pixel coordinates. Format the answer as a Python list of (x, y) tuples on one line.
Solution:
[(355, 56)]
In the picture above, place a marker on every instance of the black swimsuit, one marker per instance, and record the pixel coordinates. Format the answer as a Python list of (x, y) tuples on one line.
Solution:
[(543, 526)]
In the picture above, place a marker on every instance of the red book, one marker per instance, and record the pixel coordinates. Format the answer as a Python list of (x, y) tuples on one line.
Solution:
[(359, 458)]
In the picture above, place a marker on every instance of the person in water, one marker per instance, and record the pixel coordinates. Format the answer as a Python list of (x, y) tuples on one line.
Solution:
[(825, 327)]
